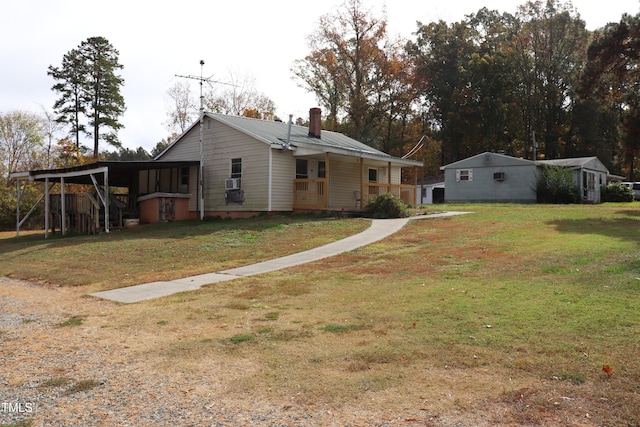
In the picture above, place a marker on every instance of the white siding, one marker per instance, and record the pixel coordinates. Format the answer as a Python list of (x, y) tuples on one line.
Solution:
[(344, 179), (282, 176), (221, 144)]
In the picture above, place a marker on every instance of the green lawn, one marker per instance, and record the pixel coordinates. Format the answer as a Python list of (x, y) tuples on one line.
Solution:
[(506, 315)]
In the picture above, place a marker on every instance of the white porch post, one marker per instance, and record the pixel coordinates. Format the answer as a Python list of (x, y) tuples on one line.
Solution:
[(18, 197), (46, 207), (106, 200), (63, 210)]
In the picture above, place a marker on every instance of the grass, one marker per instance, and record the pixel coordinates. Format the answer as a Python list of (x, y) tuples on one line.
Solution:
[(505, 317), (164, 251), (28, 422), (73, 321), (81, 386)]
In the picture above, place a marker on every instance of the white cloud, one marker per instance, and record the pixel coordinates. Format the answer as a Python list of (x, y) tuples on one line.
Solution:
[(158, 40)]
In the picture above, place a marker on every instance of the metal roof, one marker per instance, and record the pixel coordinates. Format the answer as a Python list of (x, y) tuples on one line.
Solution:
[(119, 171), (275, 133)]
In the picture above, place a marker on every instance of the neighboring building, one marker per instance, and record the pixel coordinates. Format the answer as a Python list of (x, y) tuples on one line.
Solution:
[(589, 174), (430, 190), (493, 177)]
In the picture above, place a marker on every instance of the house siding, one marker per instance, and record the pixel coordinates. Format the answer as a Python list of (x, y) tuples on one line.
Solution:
[(344, 179), (282, 176), (221, 144), (518, 185), (225, 144)]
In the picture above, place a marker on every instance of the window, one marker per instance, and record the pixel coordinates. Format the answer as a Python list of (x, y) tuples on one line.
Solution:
[(498, 176), (302, 169), (236, 168), (373, 175), (322, 169), (184, 176), (464, 175)]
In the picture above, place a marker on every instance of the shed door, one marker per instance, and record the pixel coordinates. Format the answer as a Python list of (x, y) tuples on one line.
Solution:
[(167, 209)]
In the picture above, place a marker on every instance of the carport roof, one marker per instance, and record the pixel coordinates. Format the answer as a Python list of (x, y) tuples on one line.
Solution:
[(120, 172)]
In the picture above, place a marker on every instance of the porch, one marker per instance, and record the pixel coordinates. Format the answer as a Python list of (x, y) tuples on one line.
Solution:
[(311, 193)]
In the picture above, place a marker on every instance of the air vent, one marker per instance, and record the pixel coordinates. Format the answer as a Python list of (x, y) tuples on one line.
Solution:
[(232, 184)]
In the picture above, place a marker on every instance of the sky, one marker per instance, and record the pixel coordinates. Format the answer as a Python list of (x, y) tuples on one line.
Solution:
[(161, 40)]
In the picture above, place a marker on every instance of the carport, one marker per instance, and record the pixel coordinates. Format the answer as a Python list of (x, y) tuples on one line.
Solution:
[(102, 175)]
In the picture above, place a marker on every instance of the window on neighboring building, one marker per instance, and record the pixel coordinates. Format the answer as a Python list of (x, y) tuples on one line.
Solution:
[(302, 169), (236, 168), (464, 175)]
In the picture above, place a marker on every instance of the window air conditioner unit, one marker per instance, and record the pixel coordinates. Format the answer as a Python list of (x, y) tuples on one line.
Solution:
[(498, 176), (232, 184)]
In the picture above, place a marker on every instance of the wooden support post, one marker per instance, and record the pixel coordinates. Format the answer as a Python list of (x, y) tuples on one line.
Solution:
[(46, 208), (18, 197), (106, 200), (63, 210), (326, 180), (361, 183)]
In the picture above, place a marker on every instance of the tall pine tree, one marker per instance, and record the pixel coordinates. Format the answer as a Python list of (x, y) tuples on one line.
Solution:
[(90, 86)]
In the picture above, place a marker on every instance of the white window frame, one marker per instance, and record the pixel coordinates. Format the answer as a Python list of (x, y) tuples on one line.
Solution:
[(463, 175)]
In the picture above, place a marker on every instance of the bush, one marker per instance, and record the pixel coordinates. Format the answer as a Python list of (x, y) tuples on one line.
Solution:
[(616, 192), (555, 185), (387, 206)]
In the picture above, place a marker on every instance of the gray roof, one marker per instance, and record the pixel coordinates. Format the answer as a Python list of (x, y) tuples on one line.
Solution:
[(493, 159), (574, 162), (275, 133)]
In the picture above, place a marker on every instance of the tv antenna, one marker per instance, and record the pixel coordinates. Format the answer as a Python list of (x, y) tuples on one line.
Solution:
[(201, 79)]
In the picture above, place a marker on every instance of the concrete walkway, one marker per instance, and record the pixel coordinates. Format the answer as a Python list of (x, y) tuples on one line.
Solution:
[(379, 229)]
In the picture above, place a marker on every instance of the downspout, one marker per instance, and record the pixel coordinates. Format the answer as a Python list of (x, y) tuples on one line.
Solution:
[(270, 182)]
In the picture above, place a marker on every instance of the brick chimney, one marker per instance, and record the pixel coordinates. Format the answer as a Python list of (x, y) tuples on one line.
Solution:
[(315, 122)]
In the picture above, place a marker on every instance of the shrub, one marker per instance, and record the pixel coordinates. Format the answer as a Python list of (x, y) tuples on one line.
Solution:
[(387, 206), (616, 192), (555, 185)]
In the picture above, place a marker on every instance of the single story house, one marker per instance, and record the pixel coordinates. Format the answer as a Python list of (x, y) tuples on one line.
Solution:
[(251, 166), (232, 166), (494, 177)]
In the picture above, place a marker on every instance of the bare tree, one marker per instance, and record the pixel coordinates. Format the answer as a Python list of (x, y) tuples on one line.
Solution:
[(182, 109), (50, 129), (239, 97)]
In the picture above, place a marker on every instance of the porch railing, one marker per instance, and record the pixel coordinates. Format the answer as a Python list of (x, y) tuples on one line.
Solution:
[(311, 193), (406, 193)]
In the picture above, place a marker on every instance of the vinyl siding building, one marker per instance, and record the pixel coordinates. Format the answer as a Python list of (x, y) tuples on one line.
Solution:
[(493, 177), (252, 166)]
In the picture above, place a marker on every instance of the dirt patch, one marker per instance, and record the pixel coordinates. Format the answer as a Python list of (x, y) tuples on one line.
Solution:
[(100, 373)]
